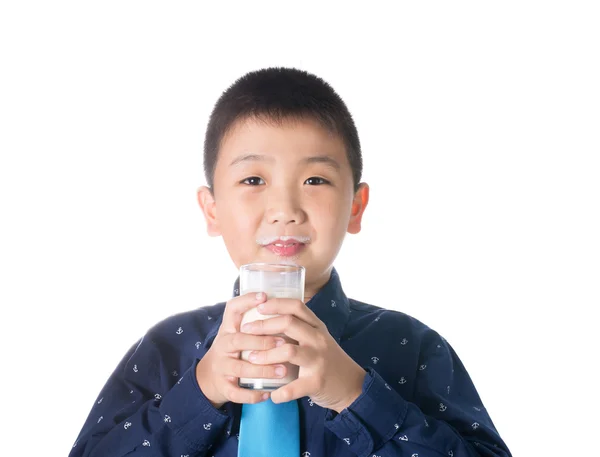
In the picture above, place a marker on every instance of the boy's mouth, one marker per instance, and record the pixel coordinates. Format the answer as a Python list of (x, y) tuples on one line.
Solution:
[(286, 249), (285, 246)]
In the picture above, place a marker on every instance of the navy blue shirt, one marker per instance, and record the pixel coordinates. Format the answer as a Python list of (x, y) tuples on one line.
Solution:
[(417, 399)]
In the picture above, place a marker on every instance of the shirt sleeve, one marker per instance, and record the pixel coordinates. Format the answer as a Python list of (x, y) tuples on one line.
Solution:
[(446, 417), (143, 410)]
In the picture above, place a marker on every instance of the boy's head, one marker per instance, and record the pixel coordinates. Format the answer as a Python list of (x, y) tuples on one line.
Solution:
[(282, 158)]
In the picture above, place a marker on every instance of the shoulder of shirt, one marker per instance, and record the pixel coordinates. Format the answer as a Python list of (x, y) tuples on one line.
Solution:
[(399, 318), (186, 323)]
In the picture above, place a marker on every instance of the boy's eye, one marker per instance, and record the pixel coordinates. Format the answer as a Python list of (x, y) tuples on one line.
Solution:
[(315, 181), (253, 181)]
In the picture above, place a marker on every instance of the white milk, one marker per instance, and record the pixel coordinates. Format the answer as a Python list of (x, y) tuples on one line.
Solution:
[(253, 315)]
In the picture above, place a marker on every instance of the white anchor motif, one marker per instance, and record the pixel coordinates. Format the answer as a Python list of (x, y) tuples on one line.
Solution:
[(180, 379), (131, 391), (75, 443), (236, 291), (135, 369), (311, 402), (167, 418), (306, 454), (179, 331), (209, 318), (100, 401), (237, 435), (146, 443), (101, 417), (443, 407), (438, 346), (126, 425), (347, 440), (403, 438), (448, 390), (476, 408), (333, 305), (198, 343), (426, 423), (175, 374), (396, 426), (157, 396), (402, 380), (375, 360), (404, 341), (450, 453), (387, 387), (186, 455), (422, 367), (415, 455), (377, 319), (207, 426), (475, 425)]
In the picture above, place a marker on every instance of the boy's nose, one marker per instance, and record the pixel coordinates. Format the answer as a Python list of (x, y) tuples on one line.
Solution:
[(285, 211)]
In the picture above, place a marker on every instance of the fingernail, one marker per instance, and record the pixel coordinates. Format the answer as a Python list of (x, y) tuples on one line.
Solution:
[(261, 307), (265, 396), (279, 371), (279, 342), (253, 356), (259, 295)]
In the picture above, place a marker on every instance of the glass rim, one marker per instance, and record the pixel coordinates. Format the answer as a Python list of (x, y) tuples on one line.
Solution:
[(277, 267)]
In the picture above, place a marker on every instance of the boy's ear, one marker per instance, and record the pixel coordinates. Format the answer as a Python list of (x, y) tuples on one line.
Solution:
[(359, 204), (206, 200)]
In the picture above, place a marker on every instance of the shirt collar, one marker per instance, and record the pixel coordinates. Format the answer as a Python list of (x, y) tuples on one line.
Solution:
[(329, 304)]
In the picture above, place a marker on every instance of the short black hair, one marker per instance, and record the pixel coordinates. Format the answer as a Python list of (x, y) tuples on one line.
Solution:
[(275, 95)]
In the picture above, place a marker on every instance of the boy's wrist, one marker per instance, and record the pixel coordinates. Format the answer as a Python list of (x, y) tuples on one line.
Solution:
[(204, 385), (355, 392)]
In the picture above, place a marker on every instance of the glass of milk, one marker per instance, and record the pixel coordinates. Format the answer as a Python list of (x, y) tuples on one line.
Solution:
[(276, 281)]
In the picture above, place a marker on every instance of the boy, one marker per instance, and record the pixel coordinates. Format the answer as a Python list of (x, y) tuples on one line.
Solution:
[(283, 165)]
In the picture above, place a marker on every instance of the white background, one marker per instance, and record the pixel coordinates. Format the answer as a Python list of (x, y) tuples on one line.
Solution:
[(480, 133)]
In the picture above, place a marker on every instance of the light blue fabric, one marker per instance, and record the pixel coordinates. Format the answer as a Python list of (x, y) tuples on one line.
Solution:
[(269, 430)]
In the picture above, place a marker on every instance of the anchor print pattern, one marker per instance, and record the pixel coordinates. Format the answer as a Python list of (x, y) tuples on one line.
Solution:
[(405, 362)]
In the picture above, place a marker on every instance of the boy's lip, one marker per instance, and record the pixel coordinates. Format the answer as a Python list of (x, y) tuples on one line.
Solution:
[(284, 240), (285, 249), (284, 245)]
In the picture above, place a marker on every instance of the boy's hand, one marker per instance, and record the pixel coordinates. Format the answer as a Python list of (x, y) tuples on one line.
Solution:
[(218, 371), (329, 376)]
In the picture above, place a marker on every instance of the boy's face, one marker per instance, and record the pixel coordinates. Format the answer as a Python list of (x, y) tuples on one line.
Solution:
[(293, 180)]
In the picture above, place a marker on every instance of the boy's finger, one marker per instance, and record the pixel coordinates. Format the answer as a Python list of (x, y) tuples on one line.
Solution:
[(292, 391), (302, 356), (240, 395), (242, 369), (236, 342), (236, 307)]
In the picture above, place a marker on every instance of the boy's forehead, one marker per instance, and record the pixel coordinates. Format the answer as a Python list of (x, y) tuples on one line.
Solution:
[(290, 140)]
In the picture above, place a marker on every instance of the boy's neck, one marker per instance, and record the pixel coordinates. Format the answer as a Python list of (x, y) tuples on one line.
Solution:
[(312, 289)]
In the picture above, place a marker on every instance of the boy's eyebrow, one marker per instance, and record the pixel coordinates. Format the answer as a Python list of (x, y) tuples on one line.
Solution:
[(324, 159), (251, 158)]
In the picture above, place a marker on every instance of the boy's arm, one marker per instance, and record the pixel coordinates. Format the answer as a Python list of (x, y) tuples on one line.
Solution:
[(144, 407), (446, 417)]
